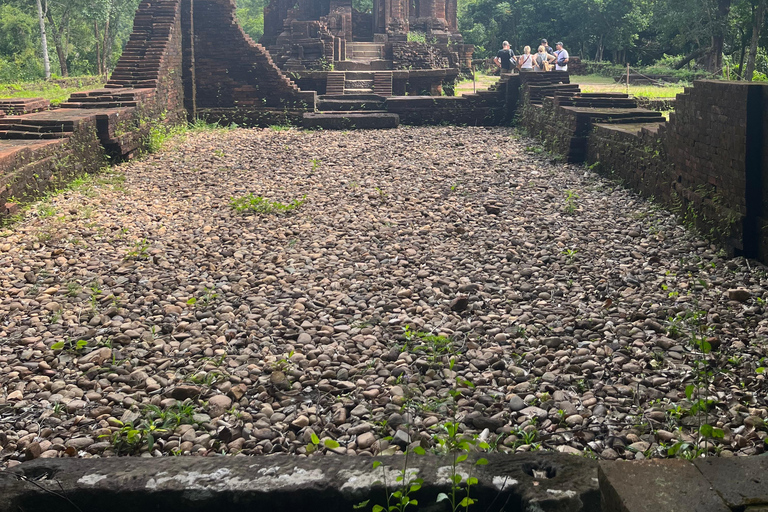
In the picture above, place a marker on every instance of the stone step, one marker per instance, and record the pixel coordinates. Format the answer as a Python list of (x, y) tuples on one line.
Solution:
[(358, 91), (350, 105), (358, 84), (382, 84), (13, 134), (351, 120)]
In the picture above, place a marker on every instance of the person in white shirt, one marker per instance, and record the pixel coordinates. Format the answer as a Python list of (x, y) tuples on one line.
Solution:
[(561, 55), (525, 61)]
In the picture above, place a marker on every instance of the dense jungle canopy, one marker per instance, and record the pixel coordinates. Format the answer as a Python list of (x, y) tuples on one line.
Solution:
[(720, 36)]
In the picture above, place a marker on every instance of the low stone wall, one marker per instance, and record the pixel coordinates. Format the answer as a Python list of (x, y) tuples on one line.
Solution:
[(28, 169), (437, 110), (708, 163)]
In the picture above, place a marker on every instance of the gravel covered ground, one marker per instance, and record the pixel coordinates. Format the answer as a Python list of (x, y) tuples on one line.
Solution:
[(547, 308)]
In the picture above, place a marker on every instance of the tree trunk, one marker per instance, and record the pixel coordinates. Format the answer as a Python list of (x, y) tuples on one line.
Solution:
[(61, 48), (715, 61), (756, 27), (688, 58), (599, 53), (743, 53), (97, 38), (44, 40)]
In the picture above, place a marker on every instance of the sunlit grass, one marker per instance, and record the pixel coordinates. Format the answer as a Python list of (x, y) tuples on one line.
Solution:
[(594, 83), (48, 90)]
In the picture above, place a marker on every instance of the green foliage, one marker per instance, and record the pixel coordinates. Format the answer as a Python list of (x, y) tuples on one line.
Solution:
[(138, 251), (415, 36), (70, 346), (251, 203), (250, 14), (571, 207), (436, 347), (314, 444), (131, 438)]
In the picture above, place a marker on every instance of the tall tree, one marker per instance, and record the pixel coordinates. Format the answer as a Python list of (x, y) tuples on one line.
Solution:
[(60, 31), (44, 41), (757, 25)]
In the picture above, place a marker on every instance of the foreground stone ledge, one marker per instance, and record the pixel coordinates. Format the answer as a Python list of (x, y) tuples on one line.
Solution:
[(532, 482), (712, 484)]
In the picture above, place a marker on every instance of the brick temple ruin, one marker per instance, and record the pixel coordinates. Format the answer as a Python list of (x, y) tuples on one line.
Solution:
[(332, 48), (190, 59)]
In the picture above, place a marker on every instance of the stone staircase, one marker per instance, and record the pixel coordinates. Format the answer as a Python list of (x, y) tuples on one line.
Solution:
[(365, 52), (334, 85), (579, 112), (108, 98), (351, 111), (382, 84), (142, 59), (358, 82)]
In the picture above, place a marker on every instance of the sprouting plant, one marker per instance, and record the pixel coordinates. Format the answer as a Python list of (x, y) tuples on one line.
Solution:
[(73, 288), (407, 483), (570, 254), (208, 297), (138, 251), (45, 210), (95, 292), (434, 345), (382, 194), (315, 164), (314, 444), (570, 202), (459, 447), (70, 345), (250, 203)]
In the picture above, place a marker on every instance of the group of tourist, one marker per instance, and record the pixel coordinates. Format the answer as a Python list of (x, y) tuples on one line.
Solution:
[(545, 59)]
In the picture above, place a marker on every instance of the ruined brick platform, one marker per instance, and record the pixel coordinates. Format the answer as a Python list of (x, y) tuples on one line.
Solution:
[(20, 106)]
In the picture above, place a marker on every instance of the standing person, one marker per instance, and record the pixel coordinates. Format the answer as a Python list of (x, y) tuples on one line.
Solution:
[(561, 64), (546, 46), (505, 57), (525, 61), (542, 60)]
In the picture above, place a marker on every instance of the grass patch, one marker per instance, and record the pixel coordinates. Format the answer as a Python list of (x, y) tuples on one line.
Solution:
[(54, 92), (250, 203), (596, 83)]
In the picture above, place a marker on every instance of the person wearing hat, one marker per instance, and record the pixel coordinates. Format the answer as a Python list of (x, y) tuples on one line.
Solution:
[(561, 55), (505, 57), (546, 46)]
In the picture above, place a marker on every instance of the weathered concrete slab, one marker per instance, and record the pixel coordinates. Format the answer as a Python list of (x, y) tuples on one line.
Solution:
[(656, 486), (741, 481), (287, 483)]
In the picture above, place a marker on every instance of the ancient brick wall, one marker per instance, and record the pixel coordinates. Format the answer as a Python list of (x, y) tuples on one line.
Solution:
[(233, 72), (709, 163), (413, 55), (706, 142)]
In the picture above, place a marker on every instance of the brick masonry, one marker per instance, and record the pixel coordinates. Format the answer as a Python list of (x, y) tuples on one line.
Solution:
[(708, 163), (234, 77)]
